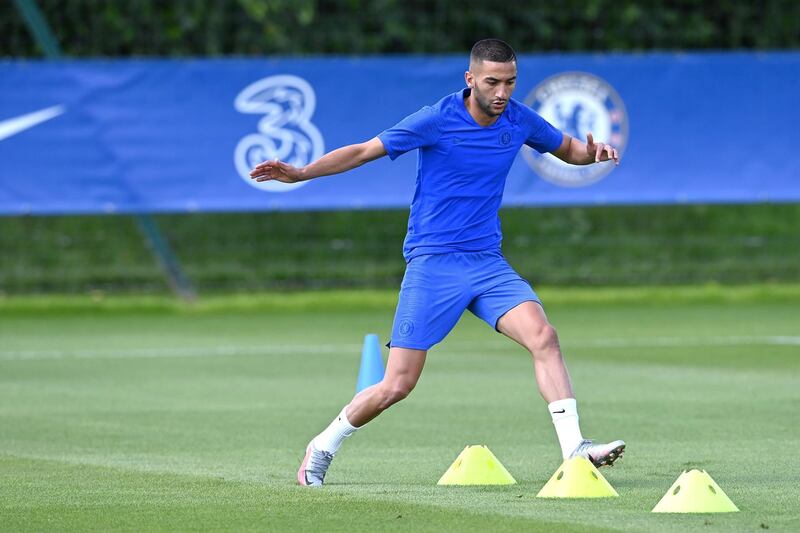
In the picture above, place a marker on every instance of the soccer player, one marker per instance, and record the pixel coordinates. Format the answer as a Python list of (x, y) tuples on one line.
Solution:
[(467, 142)]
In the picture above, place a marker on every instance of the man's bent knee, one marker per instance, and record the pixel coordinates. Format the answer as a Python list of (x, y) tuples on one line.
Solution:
[(543, 342), (391, 393)]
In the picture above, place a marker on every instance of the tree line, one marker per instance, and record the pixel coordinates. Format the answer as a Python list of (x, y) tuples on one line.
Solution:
[(91, 28)]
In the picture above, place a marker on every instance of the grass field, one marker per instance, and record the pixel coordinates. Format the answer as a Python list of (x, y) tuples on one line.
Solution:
[(143, 414)]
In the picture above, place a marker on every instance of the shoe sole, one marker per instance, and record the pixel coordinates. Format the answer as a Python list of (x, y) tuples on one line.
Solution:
[(301, 473), (611, 457)]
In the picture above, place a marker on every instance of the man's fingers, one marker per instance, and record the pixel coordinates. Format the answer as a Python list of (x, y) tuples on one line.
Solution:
[(263, 176), (609, 153), (270, 167), (267, 167), (274, 175), (602, 151), (267, 164), (259, 173), (277, 172), (258, 170)]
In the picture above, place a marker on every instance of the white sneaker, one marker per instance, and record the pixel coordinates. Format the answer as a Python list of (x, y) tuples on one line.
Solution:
[(314, 466), (600, 454)]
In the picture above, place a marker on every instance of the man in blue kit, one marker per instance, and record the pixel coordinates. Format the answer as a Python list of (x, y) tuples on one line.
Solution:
[(467, 142)]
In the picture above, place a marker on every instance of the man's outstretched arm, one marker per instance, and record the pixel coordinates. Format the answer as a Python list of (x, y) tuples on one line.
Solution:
[(575, 152), (339, 160)]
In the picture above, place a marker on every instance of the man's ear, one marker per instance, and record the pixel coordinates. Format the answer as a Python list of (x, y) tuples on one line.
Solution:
[(468, 78)]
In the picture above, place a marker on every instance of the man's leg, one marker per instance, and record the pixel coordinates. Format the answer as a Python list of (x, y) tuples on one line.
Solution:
[(527, 324), (402, 373), (432, 298)]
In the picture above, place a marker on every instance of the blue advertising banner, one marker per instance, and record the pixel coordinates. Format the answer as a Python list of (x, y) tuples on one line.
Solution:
[(180, 135)]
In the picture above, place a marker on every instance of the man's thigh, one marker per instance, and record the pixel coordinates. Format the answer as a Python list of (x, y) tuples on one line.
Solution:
[(523, 322), (404, 366), (502, 290)]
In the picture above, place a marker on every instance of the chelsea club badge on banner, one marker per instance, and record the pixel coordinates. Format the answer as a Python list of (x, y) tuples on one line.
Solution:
[(577, 103)]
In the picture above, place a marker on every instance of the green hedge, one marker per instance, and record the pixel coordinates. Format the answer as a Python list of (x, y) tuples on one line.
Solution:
[(664, 245), (262, 27)]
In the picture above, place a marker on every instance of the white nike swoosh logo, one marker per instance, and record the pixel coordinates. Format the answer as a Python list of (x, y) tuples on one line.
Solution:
[(15, 125)]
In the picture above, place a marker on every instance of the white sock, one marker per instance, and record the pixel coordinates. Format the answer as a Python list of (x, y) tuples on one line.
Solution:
[(565, 419), (332, 437)]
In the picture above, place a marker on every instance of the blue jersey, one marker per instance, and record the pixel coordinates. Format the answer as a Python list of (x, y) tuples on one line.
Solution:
[(461, 172)]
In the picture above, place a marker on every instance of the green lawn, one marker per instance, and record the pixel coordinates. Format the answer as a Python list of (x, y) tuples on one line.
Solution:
[(142, 414)]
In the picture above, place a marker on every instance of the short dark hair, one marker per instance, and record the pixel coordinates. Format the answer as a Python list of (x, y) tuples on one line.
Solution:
[(492, 50)]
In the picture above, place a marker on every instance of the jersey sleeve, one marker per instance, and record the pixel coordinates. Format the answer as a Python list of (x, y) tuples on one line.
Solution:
[(415, 131), (542, 136)]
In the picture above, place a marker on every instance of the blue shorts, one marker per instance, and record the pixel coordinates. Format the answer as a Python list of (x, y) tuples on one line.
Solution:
[(438, 288)]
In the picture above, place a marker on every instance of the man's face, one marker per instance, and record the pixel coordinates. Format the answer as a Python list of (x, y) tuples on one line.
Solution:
[(492, 84)]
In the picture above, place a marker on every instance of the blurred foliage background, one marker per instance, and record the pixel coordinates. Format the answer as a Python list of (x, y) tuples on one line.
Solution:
[(258, 27), (608, 245)]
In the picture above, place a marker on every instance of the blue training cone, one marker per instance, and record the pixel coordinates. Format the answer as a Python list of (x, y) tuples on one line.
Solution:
[(371, 370)]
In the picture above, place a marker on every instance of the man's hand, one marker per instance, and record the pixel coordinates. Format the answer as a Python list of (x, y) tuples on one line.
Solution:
[(600, 151), (575, 152), (276, 170), (340, 160)]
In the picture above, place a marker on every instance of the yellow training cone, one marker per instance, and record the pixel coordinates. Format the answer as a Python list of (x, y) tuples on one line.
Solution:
[(476, 465), (695, 492), (577, 478)]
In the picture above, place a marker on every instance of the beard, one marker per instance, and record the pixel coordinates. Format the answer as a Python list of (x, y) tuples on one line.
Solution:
[(485, 103)]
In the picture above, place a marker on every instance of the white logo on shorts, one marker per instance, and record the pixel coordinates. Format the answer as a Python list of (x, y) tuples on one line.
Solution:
[(577, 103), (284, 132)]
